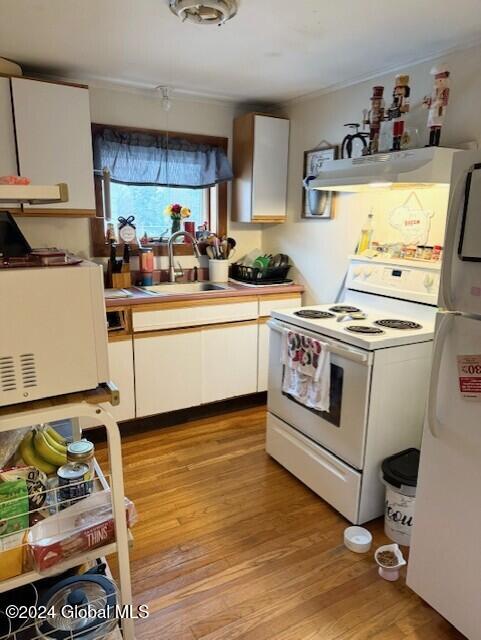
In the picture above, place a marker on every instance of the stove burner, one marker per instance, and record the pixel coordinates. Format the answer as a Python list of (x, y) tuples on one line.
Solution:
[(313, 314), (364, 328), (398, 324), (344, 308)]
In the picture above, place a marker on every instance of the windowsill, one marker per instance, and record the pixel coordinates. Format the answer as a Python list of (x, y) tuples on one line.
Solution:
[(159, 249)]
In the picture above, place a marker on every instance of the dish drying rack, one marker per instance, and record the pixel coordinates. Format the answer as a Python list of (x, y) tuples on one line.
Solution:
[(74, 407), (257, 275)]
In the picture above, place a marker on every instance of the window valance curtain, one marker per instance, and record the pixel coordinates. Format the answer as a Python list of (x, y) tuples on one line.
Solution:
[(146, 159)]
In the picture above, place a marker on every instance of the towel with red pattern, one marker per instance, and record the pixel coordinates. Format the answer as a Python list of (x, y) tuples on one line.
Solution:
[(307, 370)]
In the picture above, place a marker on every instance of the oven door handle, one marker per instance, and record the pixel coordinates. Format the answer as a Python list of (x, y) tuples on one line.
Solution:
[(341, 350)]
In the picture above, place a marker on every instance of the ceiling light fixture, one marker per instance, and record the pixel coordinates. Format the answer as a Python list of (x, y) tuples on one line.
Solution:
[(215, 12), (166, 93)]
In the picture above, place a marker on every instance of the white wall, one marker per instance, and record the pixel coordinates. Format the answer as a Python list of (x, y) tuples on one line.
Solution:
[(139, 109), (319, 248)]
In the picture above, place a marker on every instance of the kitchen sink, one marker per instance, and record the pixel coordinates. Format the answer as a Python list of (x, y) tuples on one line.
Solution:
[(176, 288)]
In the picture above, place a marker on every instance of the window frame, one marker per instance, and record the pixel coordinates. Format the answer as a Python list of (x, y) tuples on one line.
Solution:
[(99, 246)]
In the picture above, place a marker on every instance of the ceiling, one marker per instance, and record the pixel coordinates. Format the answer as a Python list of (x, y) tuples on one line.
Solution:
[(272, 51)]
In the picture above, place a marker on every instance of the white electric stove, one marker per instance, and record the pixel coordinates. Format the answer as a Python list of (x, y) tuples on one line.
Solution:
[(380, 337)]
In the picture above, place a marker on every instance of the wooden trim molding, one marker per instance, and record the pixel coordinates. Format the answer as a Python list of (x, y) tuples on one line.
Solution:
[(60, 213), (99, 247), (267, 219), (194, 329), (48, 80), (280, 296), (118, 336), (198, 302)]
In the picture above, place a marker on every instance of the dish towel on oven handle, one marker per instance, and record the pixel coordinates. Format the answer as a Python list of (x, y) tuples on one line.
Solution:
[(307, 370)]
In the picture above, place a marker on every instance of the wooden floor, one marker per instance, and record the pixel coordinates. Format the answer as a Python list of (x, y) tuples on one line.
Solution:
[(230, 545)]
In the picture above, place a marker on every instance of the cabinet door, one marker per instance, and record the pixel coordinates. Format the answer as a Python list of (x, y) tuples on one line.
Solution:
[(167, 371), (263, 357), (8, 156), (54, 141), (269, 184), (121, 363), (229, 361)]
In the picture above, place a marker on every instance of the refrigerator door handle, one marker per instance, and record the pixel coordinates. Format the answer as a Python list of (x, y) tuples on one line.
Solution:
[(454, 218), (444, 327)]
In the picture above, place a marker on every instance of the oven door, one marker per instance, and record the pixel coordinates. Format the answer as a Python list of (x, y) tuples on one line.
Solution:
[(342, 430)]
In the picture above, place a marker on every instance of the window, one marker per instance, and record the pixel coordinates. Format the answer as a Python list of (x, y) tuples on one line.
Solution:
[(147, 204)]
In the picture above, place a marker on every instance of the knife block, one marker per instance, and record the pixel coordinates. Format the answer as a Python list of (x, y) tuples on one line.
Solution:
[(121, 280)]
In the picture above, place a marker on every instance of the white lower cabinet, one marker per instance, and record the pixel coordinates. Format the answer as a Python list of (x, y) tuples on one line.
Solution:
[(229, 361), (168, 371), (263, 357), (121, 363), (121, 367)]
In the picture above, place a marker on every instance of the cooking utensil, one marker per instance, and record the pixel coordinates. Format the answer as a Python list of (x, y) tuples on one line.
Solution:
[(280, 260), (224, 248), (262, 262)]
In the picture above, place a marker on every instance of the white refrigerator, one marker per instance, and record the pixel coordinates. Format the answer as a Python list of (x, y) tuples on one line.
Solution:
[(445, 557)]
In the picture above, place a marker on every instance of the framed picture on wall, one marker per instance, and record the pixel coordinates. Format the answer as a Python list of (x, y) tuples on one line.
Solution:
[(318, 204)]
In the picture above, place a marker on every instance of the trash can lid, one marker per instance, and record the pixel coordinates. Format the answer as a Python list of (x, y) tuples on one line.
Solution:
[(402, 468)]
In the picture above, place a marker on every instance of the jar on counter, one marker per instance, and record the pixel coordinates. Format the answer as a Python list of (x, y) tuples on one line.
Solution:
[(419, 252), (147, 266), (437, 252), (428, 253)]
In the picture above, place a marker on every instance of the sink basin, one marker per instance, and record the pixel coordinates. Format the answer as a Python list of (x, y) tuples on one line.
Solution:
[(176, 288)]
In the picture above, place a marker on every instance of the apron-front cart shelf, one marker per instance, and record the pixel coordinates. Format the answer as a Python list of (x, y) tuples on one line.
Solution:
[(89, 405)]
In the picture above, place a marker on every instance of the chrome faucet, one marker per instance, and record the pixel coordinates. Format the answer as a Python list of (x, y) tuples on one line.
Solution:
[(173, 272)]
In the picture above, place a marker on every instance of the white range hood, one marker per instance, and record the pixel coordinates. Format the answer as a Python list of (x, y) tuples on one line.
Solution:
[(33, 193), (411, 169)]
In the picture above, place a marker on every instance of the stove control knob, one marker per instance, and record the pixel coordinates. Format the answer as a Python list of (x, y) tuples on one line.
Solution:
[(356, 272), (428, 281), (367, 273)]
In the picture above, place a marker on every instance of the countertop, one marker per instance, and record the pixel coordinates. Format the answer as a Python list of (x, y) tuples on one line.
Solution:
[(235, 291)]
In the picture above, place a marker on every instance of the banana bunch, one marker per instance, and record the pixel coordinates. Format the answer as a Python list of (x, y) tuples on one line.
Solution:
[(44, 448)]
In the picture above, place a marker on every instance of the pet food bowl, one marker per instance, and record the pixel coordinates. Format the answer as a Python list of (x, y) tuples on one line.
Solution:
[(357, 539)]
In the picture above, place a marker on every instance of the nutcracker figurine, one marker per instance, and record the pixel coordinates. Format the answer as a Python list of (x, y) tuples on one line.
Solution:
[(437, 103), (374, 118), (399, 107)]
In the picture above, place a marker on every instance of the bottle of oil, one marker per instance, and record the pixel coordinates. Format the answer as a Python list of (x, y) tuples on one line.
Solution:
[(366, 235)]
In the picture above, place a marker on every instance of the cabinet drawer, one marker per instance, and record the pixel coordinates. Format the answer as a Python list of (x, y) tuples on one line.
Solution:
[(176, 317), (270, 304), (326, 475)]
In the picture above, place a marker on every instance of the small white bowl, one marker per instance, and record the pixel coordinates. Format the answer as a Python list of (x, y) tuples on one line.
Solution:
[(357, 539)]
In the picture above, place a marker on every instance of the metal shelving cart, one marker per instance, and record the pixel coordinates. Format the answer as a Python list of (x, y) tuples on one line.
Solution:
[(74, 407)]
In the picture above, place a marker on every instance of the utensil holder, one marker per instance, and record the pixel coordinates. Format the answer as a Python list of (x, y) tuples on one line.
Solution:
[(218, 270)]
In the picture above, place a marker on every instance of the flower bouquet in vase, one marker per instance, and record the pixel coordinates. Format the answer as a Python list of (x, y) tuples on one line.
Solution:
[(176, 213)]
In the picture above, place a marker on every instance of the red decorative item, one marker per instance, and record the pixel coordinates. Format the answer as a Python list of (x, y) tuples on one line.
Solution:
[(189, 226), (399, 107)]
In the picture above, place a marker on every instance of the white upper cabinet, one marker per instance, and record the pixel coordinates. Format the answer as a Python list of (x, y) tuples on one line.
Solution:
[(54, 142), (260, 158)]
